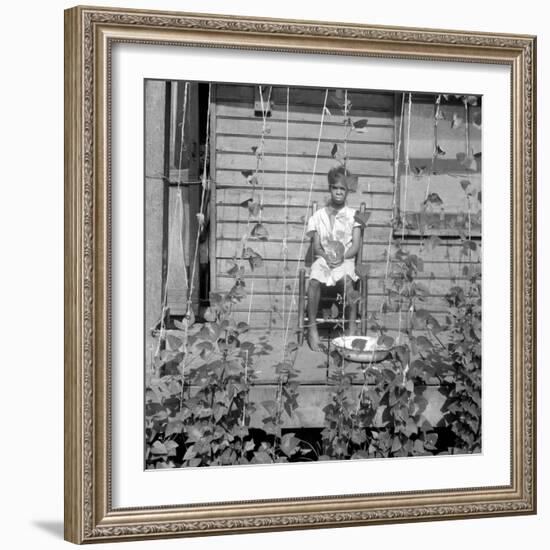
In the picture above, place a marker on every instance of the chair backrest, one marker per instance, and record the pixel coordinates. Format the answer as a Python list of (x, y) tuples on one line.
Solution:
[(359, 258)]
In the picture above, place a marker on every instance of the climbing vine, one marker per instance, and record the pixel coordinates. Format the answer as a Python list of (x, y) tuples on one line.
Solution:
[(202, 405)]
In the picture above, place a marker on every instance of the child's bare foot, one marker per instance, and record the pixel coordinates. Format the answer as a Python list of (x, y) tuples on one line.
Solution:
[(313, 338)]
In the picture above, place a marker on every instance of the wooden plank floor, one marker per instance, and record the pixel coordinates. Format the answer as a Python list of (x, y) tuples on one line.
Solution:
[(315, 387)]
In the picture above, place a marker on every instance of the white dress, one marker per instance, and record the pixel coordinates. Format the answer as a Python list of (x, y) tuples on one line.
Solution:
[(341, 231)]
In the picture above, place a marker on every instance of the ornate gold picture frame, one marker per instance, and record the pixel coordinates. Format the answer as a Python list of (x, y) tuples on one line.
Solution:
[(90, 36)]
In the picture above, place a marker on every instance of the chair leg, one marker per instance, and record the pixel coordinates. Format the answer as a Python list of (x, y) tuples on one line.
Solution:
[(364, 296), (301, 304)]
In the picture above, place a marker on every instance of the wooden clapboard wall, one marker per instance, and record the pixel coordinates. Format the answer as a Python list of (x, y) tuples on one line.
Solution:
[(237, 130), (457, 134)]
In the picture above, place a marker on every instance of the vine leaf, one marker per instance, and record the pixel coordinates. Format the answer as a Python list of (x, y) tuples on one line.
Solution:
[(360, 125), (291, 347), (334, 311), (423, 342), (358, 344), (235, 270), (351, 181), (362, 218), (464, 184), (433, 242), (419, 170), (174, 342), (250, 177), (262, 457), (334, 150), (457, 121), (289, 444), (469, 245), (477, 121), (254, 208), (255, 260), (385, 341), (242, 327), (259, 232), (433, 198), (469, 162), (439, 152), (270, 406)]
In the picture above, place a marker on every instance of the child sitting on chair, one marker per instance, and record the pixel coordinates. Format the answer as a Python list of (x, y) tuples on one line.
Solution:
[(336, 239)]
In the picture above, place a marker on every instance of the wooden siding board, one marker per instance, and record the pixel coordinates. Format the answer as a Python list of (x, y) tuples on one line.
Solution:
[(307, 113), (230, 200), (306, 96), (302, 130), (230, 144), (242, 161)]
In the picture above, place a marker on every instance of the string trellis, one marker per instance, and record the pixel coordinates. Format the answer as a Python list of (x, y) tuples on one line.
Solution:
[(260, 153), (308, 206), (285, 234), (394, 194)]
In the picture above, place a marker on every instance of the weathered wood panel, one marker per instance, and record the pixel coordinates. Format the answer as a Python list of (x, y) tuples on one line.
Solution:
[(229, 203), (310, 130), (303, 182), (308, 113), (248, 161), (303, 147), (307, 97)]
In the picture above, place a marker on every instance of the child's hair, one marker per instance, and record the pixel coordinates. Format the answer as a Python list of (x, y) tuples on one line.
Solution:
[(335, 174)]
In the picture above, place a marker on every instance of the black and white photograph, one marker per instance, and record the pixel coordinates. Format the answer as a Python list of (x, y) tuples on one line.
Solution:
[(313, 274)]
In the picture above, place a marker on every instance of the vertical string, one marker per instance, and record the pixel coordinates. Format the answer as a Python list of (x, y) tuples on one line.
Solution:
[(407, 167), (434, 154), (308, 205), (179, 190), (205, 184), (285, 244), (259, 166), (395, 186), (407, 151)]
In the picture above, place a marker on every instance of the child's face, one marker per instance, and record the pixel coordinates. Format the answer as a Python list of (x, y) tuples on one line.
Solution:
[(338, 193)]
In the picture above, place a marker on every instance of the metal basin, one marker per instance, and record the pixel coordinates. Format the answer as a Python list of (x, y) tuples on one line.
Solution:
[(371, 352)]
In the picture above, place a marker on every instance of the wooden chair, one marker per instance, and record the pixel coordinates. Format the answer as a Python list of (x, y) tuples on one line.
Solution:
[(360, 285)]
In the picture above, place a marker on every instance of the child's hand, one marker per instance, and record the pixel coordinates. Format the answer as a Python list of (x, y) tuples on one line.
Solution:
[(335, 253), (334, 263)]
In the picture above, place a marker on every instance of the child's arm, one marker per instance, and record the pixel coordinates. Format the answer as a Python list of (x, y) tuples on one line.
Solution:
[(355, 244), (318, 251)]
